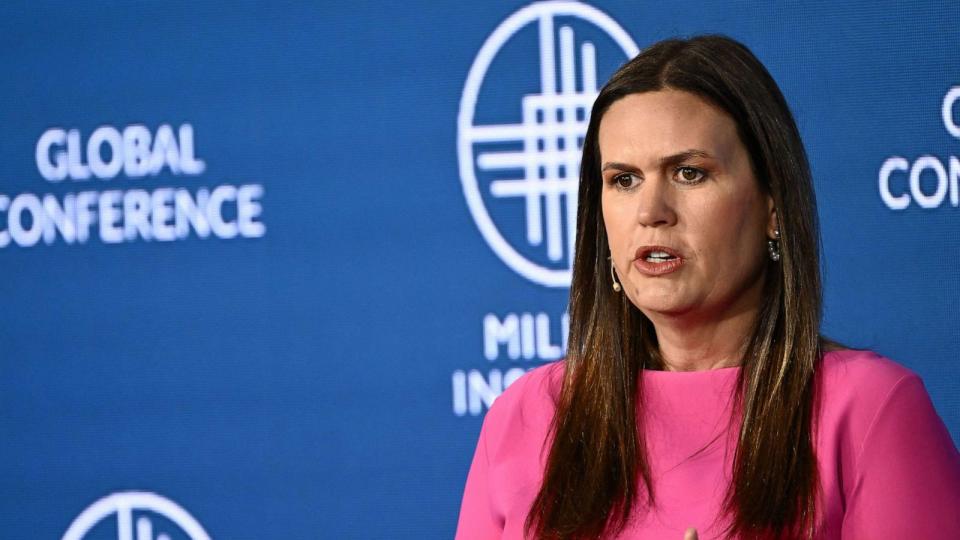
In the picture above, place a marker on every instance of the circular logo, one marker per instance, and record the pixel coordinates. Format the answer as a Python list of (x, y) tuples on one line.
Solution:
[(536, 159), (123, 507)]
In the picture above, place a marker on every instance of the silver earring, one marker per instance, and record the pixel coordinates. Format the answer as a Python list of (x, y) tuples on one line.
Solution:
[(613, 277), (773, 246)]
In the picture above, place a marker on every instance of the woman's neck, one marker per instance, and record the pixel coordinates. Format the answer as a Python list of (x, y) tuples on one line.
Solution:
[(698, 343)]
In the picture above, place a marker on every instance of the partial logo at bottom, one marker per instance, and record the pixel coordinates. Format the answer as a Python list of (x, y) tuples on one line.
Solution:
[(135, 515)]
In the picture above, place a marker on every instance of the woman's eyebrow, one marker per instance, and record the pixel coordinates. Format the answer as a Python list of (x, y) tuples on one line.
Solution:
[(618, 166), (680, 157), (666, 161)]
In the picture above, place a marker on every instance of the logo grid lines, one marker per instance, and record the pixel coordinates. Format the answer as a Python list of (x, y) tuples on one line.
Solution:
[(550, 137)]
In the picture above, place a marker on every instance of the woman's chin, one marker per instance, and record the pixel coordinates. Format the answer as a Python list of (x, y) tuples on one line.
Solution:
[(660, 307)]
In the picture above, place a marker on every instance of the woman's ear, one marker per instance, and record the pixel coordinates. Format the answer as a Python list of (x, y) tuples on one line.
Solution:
[(773, 226)]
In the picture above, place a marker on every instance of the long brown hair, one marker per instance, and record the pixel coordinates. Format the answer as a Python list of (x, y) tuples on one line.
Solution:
[(597, 469)]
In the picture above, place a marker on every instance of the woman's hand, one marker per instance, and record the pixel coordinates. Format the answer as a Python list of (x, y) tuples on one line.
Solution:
[(691, 534)]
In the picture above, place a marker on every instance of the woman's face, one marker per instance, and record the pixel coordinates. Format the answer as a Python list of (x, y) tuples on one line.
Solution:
[(685, 217)]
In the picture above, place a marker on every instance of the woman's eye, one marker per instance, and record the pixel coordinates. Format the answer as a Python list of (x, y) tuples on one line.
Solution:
[(625, 180), (689, 175)]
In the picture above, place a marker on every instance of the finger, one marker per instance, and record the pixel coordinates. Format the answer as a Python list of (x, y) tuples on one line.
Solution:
[(691, 534)]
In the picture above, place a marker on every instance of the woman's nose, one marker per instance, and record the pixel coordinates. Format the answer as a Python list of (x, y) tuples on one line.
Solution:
[(655, 205)]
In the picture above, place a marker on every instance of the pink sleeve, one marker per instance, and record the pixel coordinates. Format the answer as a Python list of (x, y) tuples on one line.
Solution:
[(907, 474), (477, 519)]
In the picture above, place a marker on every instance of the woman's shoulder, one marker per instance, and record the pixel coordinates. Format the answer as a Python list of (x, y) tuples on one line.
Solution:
[(857, 387), (525, 409), (895, 459), (863, 368), (537, 389), (860, 382)]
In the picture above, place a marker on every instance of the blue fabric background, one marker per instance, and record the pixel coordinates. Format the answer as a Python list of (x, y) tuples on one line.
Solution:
[(299, 385)]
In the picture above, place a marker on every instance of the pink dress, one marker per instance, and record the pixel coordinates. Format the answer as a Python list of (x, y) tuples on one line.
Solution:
[(888, 466)]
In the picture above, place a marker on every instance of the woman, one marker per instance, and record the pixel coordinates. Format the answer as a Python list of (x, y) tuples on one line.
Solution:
[(697, 390)]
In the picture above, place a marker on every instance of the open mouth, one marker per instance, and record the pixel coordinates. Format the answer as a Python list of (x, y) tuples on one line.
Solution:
[(657, 260), (659, 256)]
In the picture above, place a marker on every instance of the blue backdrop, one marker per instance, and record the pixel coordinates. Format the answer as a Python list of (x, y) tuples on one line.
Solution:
[(265, 265)]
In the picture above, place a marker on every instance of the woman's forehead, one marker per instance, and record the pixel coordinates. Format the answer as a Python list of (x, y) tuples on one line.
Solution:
[(650, 125)]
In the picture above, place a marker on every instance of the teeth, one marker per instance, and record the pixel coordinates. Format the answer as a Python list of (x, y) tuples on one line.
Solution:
[(658, 256)]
